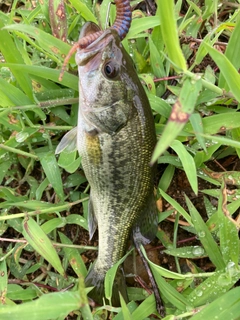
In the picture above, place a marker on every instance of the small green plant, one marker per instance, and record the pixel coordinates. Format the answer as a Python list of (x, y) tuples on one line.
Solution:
[(197, 122)]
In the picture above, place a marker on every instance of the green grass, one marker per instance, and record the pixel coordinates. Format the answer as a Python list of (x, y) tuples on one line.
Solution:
[(198, 121)]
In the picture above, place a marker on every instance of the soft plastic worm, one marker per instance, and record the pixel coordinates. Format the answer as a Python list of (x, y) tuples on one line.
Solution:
[(123, 18), (121, 25)]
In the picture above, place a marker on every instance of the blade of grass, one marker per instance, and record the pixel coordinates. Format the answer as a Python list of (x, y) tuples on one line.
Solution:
[(35, 236), (146, 308), (232, 54), (16, 292), (10, 95), (214, 286), (225, 307), (170, 34), (166, 178), (187, 163), (47, 42), (110, 275), (58, 19), (166, 289), (12, 55), (53, 208), (83, 10), (224, 141), (189, 252), (42, 308), (85, 308), (50, 225), (229, 240), (73, 257), (229, 72), (180, 114), (3, 282), (68, 80), (205, 237), (142, 24), (196, 121), (126, 313), (51, 169), (217, 123), (177, 206)]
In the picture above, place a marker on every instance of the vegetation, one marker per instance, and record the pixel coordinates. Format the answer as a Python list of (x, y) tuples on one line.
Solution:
[(198, 124)]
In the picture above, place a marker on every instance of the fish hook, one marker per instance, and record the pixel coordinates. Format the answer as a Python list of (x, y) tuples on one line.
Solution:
[(121, 25)]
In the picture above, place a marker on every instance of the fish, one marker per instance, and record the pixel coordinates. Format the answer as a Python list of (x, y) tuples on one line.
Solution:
[(115, 138)]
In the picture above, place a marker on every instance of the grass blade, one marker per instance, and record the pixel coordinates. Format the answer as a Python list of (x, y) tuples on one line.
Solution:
[(177, 206), (126, 313), (68, 80), (146, 308), (217, 123), (196, 122), (35, 236), (180, 114), (187, 163), (170, 34), (205, 237), (51, 169), (229, 240), (12, 96), (225, 307), (3, 282), (214, 286), (73, 257), (12, 55), (43, 308), (229, 72), (172, 295), (45, 42), (224, 141), (58, 19), (83, 10), (232, 53), (110, 275), (140, 25)]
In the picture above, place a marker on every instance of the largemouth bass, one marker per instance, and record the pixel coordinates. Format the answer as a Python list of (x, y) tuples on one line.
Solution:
[(115, 138)]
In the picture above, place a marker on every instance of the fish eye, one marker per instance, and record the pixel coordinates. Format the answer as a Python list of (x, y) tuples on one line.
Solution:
[(110, 69)]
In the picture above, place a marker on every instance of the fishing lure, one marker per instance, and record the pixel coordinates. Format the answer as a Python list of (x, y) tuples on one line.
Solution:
[(121, 25)]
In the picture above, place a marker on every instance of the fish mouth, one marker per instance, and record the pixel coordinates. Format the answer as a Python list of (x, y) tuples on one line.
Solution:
[(90, 54), (88, 30)]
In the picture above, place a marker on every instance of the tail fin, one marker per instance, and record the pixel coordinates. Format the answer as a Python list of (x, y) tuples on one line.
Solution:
[(96, 279)]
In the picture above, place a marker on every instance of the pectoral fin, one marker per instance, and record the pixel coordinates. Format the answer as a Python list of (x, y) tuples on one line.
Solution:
[(146, 226), (92, 221), (68, 142)]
